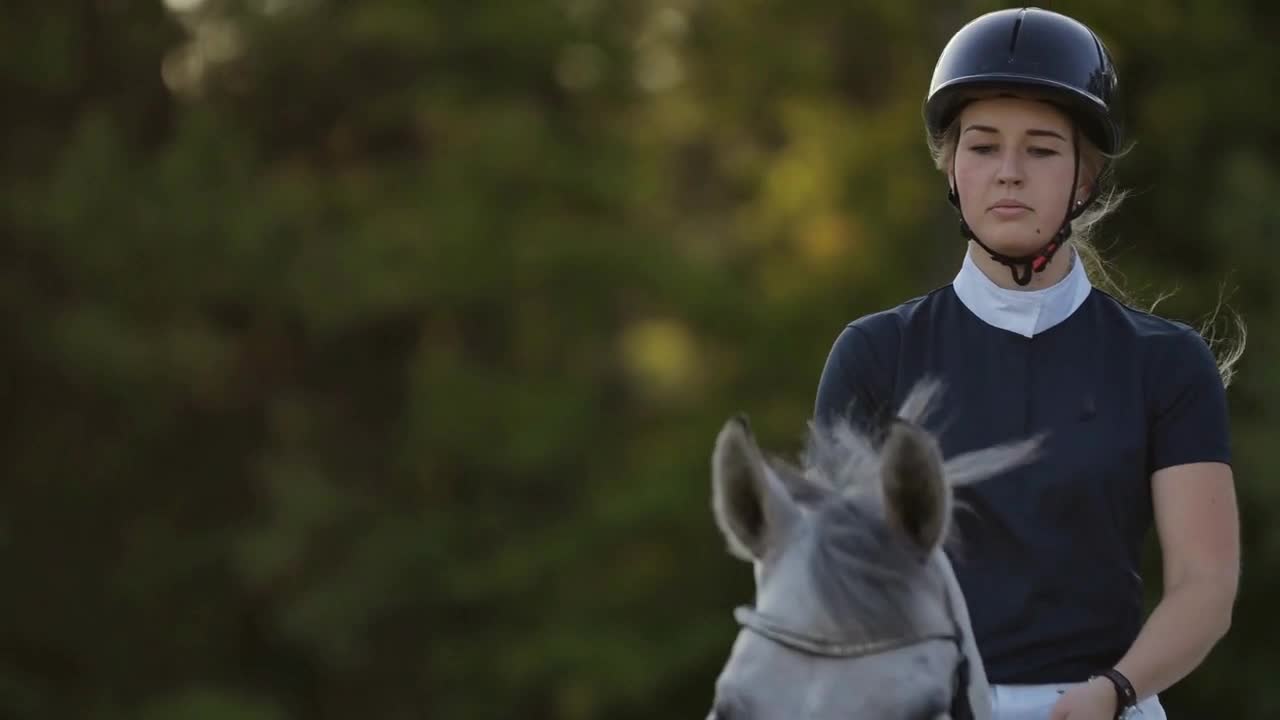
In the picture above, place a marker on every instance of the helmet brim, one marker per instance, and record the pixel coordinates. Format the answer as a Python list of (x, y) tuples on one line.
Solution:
[(1089, 112)]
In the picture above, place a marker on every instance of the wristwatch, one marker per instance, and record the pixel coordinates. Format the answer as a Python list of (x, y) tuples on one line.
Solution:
[(1126, 697)]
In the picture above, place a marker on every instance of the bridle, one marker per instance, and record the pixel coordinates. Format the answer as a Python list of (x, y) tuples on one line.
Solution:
[(778, 632)]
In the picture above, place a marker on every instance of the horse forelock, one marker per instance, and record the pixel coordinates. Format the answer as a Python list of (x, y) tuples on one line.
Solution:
[(863, 573)]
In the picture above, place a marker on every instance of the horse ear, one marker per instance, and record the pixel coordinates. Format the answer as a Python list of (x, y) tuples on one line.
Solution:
[(917, 499), (752, 507)]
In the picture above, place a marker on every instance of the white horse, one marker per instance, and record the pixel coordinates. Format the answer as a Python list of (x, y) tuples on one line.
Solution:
[(857, 612)]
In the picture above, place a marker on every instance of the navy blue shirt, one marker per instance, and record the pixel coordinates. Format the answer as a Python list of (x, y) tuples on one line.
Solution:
[(1049, 553)]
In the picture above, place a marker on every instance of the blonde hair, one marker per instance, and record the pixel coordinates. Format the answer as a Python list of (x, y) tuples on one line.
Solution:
[(1096, 165)]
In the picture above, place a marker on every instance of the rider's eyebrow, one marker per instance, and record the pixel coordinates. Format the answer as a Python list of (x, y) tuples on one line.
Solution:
[(1037, 132), (1033, 132)]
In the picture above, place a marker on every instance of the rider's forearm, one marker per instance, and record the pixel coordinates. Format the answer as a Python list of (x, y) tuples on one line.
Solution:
[(1189, 620)]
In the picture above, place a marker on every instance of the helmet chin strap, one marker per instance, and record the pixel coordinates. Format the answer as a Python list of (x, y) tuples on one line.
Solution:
[(1024, 266)]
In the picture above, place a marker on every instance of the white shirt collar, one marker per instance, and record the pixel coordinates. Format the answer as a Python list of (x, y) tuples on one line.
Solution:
[(1025, 312)]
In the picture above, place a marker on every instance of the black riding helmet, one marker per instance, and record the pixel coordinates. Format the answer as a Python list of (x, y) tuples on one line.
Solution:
[(1029, 49)]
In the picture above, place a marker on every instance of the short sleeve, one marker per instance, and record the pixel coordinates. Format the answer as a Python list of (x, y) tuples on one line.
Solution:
[(857, 380), (1190, 421)]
